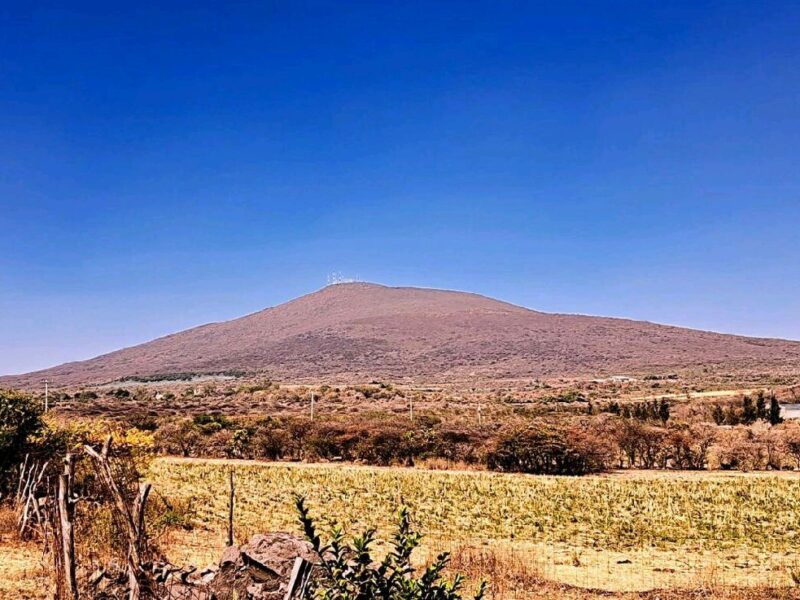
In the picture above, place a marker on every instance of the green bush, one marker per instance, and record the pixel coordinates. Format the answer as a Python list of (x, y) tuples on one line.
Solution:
[(348, 571), (20, 421)]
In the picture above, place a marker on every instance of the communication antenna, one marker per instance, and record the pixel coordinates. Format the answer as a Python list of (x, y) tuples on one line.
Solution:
[(337, 277)]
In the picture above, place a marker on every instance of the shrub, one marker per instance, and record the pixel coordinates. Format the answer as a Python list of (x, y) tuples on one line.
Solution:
[(270, 440), (142, 421), (211, 423), (179, 437), (20, 421), (547, 450), (348, 571), (690, 445), (741, 449), (791, 442), (566, 396)]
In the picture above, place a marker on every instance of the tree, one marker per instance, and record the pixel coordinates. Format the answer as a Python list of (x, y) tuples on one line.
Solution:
[(663, 411), (548, 450), (629, 439), (20, 421), (654, 452), (181, 437), (749, 413), (690, 445), (791, 442), (718, 414), (761, 406), (774, 411), (732, 416)]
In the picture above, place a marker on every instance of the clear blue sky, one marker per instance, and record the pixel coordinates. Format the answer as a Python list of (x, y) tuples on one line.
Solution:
[(165, 164)]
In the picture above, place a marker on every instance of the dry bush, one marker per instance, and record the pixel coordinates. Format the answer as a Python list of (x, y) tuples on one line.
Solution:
[(740, 449), (791, 442), (690, 445), (548, 450)]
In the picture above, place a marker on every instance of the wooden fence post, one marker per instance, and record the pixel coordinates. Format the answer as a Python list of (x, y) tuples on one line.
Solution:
[(231, 500), (298, 582), (66, 513), (132, 517)]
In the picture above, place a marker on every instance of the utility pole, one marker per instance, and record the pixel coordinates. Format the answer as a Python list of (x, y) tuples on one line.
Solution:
[(46, 396), (480, 415), (312, 406), (411, 407)]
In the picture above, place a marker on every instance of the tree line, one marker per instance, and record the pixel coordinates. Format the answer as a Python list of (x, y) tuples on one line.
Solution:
[(645, 435)]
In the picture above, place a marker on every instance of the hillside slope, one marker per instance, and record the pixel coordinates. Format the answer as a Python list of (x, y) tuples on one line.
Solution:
[(361, 331)]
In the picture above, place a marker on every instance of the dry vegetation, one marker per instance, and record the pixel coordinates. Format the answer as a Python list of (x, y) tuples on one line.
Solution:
[(698, 534), (24, 569), (556, 427), (189, 394), (598, 532)]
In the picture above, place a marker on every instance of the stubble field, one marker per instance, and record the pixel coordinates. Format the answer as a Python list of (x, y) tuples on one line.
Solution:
[(631, 532)]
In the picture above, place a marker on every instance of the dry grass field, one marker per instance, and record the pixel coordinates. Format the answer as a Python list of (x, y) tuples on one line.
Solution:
[(655, 535), (634, 532), (23, 569)]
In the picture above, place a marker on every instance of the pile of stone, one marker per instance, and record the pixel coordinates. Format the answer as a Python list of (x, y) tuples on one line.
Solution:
[(258, 570)]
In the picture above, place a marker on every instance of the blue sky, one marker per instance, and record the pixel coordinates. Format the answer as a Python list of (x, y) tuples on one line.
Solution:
[(168, 164)]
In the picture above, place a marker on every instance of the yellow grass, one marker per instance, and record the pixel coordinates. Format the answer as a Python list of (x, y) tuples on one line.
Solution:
[(614, 533), (23, 569)]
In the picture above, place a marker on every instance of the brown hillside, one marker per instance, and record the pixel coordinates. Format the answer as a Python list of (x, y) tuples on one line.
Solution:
[(360, 331)]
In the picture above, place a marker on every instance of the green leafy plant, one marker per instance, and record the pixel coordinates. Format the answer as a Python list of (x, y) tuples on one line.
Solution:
[(20, 421), (348, 572)]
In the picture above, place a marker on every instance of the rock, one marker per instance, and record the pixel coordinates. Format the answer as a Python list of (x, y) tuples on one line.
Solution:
[(272, 555), (207, 575), (231, 556), (260, 569)]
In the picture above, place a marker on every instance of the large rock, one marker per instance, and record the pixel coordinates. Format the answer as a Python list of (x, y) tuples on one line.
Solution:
[(260, 569)]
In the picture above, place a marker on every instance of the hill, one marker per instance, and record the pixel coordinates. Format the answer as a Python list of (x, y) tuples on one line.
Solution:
[(360, 331)]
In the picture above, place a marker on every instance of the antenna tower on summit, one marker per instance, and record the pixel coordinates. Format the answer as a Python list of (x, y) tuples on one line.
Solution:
[(337, 277)]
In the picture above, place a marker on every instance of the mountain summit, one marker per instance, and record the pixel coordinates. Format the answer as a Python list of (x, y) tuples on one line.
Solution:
[(357, 331)]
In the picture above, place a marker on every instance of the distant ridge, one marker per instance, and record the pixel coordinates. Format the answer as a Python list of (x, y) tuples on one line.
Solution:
[(358, 331)]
